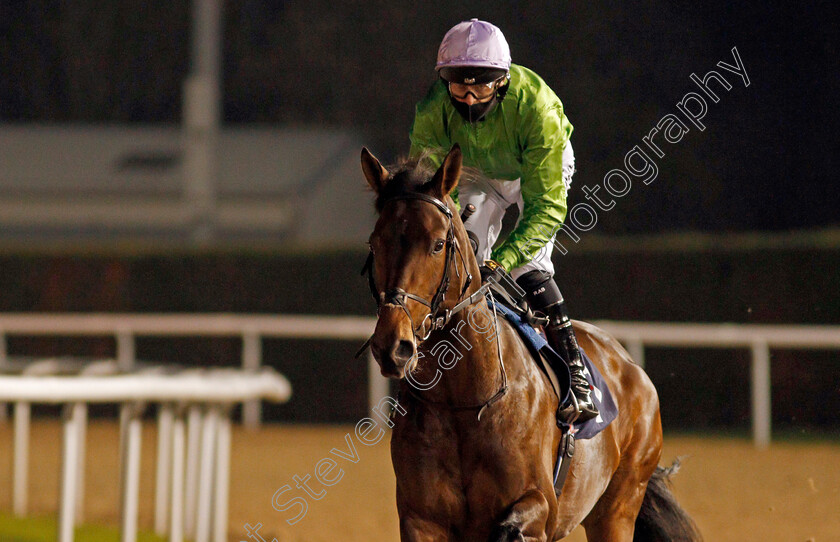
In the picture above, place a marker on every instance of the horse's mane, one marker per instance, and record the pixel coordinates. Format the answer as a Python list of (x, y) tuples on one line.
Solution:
[(408, 175)]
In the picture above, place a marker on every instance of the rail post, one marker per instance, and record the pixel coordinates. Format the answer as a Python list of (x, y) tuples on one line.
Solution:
[(191, 476), (221, 478), (130, 471), (20, 484), (761, 409), (72, 414), (378, 386), (126, 352), (204, 511), (177, 519), (251, 361), (164, 474)]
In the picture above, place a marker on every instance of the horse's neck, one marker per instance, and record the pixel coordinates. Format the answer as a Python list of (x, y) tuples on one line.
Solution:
[(466, 356), (461, 363)]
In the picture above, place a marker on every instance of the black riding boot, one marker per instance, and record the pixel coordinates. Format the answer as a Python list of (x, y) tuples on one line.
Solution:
[(544, 296), (561, 337)]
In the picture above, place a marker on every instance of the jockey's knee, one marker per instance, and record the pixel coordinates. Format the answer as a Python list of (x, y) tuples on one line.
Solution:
[(540, 289)]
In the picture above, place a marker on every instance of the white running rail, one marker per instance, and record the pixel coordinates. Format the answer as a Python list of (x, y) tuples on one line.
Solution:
[(253, 328), (210, 394), (125, 328)]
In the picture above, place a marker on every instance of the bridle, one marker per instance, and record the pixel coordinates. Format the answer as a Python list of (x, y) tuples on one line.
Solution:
[(438, 318), (397, 296)]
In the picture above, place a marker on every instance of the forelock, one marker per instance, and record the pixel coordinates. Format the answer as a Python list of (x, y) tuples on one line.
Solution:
[(405, 177)]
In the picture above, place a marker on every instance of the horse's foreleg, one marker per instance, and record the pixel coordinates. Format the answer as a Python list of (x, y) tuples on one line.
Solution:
[(414, 529), (525, 521)]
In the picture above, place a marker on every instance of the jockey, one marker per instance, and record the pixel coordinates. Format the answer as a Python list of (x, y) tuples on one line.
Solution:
[(511, 127)]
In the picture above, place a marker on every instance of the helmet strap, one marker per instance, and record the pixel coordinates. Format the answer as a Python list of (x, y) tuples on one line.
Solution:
[(502, 89)]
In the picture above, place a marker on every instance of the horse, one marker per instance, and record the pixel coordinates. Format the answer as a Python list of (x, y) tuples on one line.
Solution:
[(474, 452)]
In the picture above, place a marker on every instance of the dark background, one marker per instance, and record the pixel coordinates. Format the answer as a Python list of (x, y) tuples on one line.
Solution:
[(764, 165), (766, 160)]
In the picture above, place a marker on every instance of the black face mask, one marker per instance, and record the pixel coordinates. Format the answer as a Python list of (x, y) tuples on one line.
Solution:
[(475, 112)]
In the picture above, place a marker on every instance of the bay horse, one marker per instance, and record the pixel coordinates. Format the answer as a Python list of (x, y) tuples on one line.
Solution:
[(475, 451)]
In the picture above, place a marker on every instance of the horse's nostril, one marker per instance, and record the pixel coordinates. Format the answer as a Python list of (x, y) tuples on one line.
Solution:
[(404, 351)]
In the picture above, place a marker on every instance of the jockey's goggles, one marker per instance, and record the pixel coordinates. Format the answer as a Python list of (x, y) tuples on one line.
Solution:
[(480, 91)]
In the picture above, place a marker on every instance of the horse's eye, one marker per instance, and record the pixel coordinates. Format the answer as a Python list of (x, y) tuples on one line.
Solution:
[(439, 244)]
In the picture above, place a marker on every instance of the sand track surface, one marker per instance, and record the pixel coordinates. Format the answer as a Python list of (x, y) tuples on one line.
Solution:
[(789, 493)]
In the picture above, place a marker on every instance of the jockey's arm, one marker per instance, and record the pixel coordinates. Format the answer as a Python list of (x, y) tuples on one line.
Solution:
[(542, 186)]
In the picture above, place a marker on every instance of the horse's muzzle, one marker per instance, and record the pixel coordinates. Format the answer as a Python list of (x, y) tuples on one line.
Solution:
[(392, 344), (393, 361)]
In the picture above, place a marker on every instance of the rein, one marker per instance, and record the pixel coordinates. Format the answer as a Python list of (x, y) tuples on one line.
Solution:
[(438, 319), (481, 407)]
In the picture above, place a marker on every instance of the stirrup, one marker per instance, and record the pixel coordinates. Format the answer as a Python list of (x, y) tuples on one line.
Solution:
[(572, 411), (569, 413)]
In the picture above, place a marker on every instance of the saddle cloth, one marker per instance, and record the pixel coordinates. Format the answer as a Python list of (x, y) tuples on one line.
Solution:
[(601, 395)]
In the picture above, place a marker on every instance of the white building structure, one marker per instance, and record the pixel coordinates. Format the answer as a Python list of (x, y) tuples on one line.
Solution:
[(295, 187)]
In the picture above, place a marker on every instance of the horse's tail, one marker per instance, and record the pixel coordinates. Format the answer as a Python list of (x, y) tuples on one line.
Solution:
[(661, 518)]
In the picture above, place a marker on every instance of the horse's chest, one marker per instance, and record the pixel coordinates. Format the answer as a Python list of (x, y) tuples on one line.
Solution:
[(439, 469), (425, 443)]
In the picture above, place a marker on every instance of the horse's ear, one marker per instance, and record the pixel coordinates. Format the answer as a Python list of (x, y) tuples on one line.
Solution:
[(449, 173), (375, 173)]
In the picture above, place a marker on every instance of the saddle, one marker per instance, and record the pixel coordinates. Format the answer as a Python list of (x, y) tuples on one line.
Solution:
[(540, 351)]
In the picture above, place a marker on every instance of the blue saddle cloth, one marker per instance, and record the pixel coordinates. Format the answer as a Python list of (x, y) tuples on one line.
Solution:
[(601, 395)]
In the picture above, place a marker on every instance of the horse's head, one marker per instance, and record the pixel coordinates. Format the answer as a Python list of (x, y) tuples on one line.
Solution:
[(417, 266)]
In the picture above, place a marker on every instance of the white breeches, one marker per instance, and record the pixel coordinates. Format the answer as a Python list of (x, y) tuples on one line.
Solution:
[(491, 198)]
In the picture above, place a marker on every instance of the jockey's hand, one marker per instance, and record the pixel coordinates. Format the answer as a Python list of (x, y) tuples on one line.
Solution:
[(491, 268), (493, 271)]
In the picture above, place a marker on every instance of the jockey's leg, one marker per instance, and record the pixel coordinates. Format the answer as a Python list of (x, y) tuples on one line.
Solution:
[(544, 296)]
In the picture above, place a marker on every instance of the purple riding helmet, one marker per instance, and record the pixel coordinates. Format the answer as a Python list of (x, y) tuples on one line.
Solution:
[(474, 53)]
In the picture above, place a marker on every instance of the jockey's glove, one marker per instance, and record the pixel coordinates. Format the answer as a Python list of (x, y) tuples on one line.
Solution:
[(493, 271), (491, 268)]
